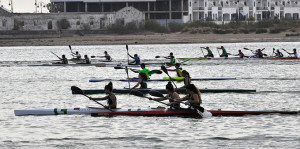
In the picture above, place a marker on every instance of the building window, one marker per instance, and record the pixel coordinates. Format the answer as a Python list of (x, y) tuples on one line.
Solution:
[(205, 4), (214, 3), (50, 25), (254, 4), (4, 22)]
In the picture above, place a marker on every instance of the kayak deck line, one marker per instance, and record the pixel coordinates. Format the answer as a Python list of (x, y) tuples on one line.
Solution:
[(237, 58), (161, 80), (65, 65), (163, 91), (142, 112)]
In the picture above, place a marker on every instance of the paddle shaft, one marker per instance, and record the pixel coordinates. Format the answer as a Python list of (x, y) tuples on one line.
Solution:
[(55, 55), (127, 54), (166, 71), (202, 51), (126, 69)]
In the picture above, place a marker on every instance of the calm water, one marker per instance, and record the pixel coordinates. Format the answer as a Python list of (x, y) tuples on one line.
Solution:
[(25, 87)]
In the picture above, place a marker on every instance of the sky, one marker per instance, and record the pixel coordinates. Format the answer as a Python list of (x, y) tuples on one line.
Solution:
[(24, 6)]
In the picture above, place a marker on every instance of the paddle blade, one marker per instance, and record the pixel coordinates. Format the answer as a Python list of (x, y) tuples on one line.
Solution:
[(76, 89), (164, 69), (154, 72), (156, 93), (136, 93), (157, 56), (70, 47), (127, 47), (93, 56)]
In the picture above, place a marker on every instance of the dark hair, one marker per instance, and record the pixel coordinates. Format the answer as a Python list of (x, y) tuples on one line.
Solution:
[(135, 55), (144, 76), (170, 87), (185, 72), (193, 88), (105, 52), (109, 86), (177, 64), (143, 65), (171, 53)]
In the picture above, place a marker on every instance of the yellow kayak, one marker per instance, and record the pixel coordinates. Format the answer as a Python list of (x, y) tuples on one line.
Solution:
[(173, 78)]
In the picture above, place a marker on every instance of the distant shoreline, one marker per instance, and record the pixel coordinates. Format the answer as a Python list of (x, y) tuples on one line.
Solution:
[(151, 38)]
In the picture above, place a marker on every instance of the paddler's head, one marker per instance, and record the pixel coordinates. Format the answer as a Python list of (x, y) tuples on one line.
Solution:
[(135, 55), (76, 52), (63, 56), (85, 56), (222, 47), (169, 87), (207, 48), (105, 52), (185, 73), (108, 88), (240, 50), (143, 65), (294, 50), (177, 65), (171, 54), (192, 89)]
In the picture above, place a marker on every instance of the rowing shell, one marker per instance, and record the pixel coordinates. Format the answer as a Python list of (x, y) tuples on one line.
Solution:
[(163, 91), (161, 80), (140, 112)]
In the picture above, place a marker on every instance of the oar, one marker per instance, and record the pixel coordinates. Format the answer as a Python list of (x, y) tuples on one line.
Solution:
[(127, 53), (140, 94), (77, 90), (164, 69), (158, 94), (218, 51), (126, 69), (55, 55)]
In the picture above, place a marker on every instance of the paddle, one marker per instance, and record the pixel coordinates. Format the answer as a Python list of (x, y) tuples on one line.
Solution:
[(77, 90), (286, 51), (140, 94), (55, 55), (202, 50), (127, 54), (154, 72), (70, 49), (218, 52), (160, 57), (158, 94), (126, 69), (164, 69)]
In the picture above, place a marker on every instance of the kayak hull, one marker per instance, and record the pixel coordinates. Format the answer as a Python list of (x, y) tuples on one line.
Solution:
[(163, 91), (140, 112), (161, 80)]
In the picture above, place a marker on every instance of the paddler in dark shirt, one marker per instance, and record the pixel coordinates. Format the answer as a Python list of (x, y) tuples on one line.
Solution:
[(278, 54), (209, 52), (110, 98), (193, 98), (172, 96), (241, 54), (87, 59), (63, 59), (142, 81)]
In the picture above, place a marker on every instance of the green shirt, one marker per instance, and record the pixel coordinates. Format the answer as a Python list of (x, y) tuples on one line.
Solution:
[(145, 70)]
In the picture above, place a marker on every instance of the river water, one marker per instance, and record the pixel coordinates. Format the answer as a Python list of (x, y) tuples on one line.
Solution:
[(26, 87)]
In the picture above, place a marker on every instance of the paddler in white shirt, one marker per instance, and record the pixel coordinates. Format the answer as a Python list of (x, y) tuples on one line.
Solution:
[(294, 53), (76, 55)]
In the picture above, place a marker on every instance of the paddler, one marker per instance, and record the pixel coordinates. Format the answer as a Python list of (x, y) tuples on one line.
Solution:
[(142, 81), (171, 95), (172, 58), (278, 54), (193, 98), (110, 98), (258, 53), (186, 79), (136, 61), (63, 59), (143, 70), (224, 52), (294, 53), (76, 55), (209, 52), (178, 70), (107, 56), (87, 59), (240, 54)]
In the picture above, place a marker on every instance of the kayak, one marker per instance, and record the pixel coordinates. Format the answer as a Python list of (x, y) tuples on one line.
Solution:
[(284, 58), (209, 58), (140, 112), (58, 64), (163, 91), (237, 58), (161, 80)]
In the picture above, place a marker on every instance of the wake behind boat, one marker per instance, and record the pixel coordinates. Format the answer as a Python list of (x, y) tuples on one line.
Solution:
[(163, 91), (141, 112)]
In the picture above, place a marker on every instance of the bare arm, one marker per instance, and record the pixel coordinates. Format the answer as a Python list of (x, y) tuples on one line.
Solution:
[(186, 82), (101, 98), (138, 83)]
